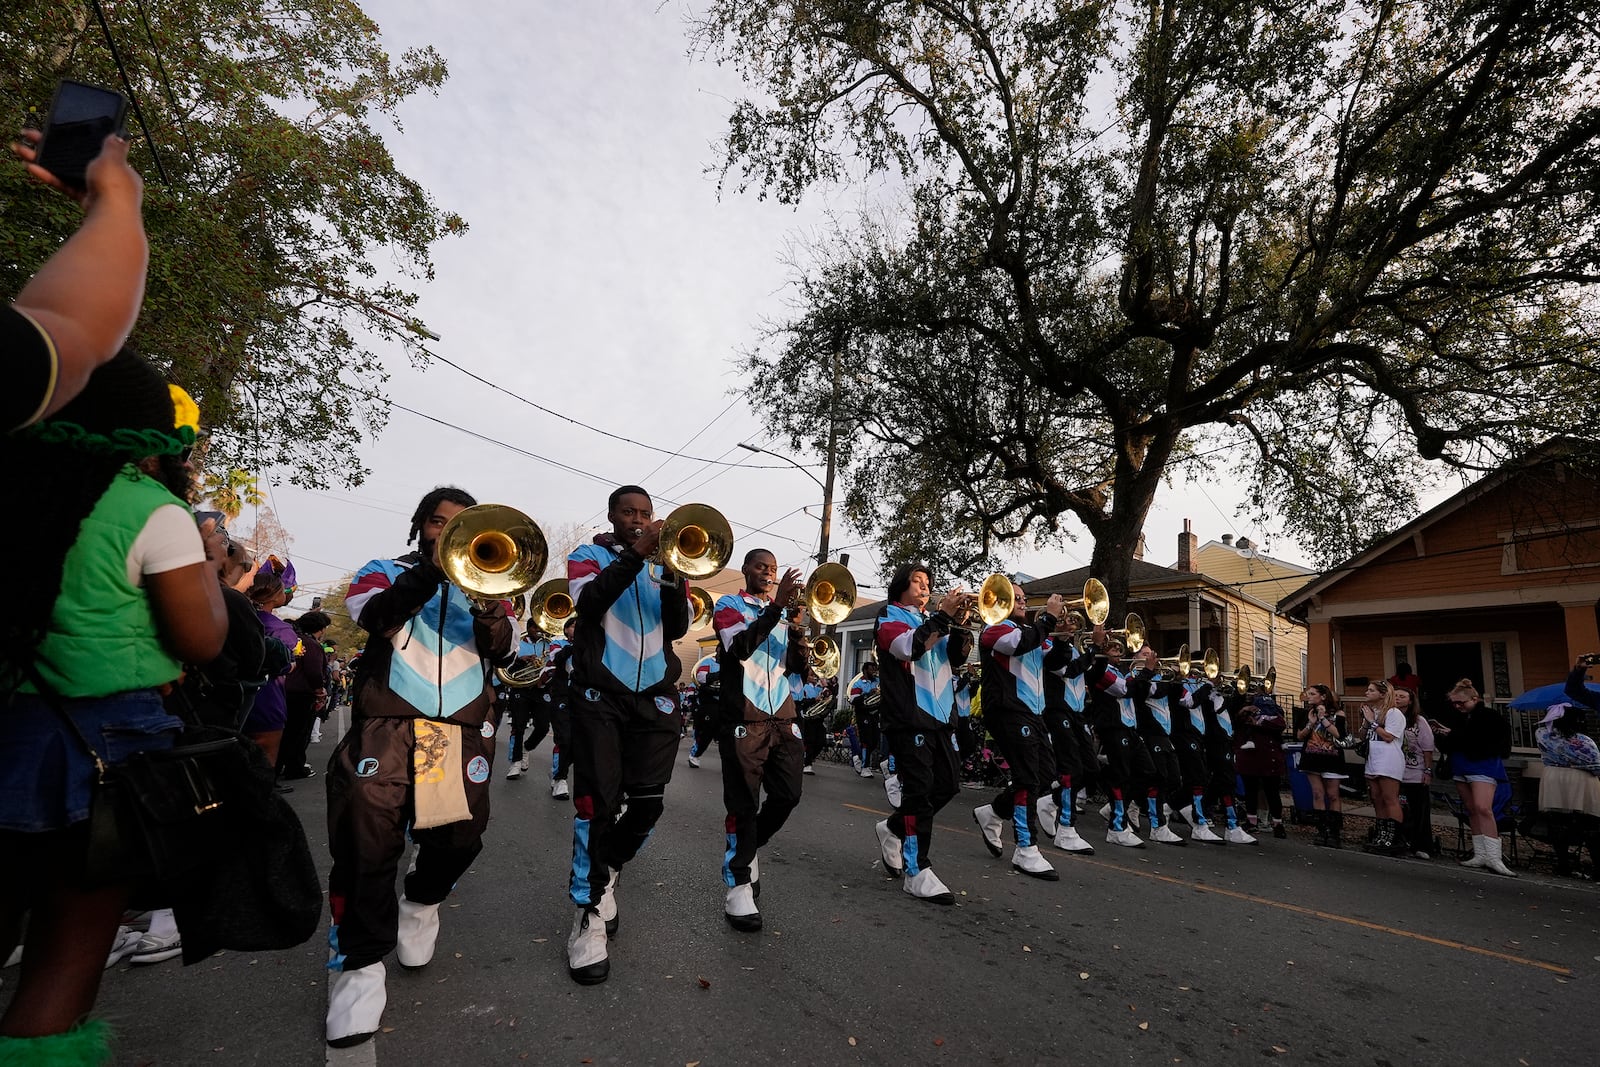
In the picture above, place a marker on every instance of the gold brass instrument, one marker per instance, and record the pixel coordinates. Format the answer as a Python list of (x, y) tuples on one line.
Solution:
[(1242, 679), (1213, 664), (696, 541), (1245, 680), (825, 657), (1270, 681), (492, 551), (521, 674), (1095, 602), (830, 594), (1179, 665), (1131, 634), (553, 607), (997, 599), (700, 603)]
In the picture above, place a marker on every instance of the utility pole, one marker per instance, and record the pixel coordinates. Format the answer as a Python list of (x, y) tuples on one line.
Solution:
[(833, 446)]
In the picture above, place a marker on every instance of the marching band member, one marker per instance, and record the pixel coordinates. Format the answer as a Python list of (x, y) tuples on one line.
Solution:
[(918, 705), (1219, 757), (1012, 652), (759, 739), (1116, 724), (558, 696), (625, 721), (525, 705), (866, 701), (813, 712), (416, 760), (1065, 694), (707, 707), (1151, 699), (1191, 729)]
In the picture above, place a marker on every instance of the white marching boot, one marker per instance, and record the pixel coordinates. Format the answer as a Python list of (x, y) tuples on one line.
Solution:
[(355, 1005), (1125, 837), (1237, 835), (1492, 858), (417, 933), (1030, 862), (1049, 815), (1165, 836), (740, 909), (889, 847), (1067, 840), (989, 826), (892, 790), (587, 961), (607, 908), (925, 885), (1205, 834), (755, 877), (558, 789), (1478, 852)]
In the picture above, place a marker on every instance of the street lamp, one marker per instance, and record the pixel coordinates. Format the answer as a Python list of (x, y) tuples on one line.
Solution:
[(779, 455)]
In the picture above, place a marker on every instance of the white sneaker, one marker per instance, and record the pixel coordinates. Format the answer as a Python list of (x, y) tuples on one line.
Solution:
[(122, 945), (990, 826), (1124, 837), (889, 846), (587, 962), (740, 909), (925, 885), (316, 731), (1205, 834), (1237, 836), (694, 761), (1049, 814), (1030, 862), (355, 1005), (515, 771), (808, 769), (524, 762), (1165, 835), (418, 933), (558, 789), (891, 789), (607, 908), (1067, 840)]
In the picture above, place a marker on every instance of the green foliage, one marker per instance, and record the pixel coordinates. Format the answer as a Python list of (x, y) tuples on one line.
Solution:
[(1322, 250), (228, 491), (265, 294)]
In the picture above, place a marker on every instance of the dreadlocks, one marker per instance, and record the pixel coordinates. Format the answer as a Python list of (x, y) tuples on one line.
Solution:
[(61, 483), (430, 504)]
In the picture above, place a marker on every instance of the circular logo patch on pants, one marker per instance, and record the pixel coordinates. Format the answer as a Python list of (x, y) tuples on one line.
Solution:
[(917, 740), (665, 705), (796, 728), (367, 768), (487, 729), (478, 770)]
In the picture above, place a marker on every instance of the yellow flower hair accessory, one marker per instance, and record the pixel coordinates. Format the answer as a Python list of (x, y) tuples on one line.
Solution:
[(186, 413)]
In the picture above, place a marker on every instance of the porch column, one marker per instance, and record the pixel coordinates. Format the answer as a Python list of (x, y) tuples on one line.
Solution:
[(1582, 634), (1194, 620), (1319, 656)]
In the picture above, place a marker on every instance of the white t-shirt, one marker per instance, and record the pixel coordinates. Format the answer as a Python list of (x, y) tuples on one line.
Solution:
[(168, 541), (1385, 758)]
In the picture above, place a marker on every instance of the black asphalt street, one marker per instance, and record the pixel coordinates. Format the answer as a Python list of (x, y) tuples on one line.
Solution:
[(1208, 955)]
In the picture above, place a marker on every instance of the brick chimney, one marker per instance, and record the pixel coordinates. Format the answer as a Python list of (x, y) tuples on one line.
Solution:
[(1188, 545), (1227, 539)]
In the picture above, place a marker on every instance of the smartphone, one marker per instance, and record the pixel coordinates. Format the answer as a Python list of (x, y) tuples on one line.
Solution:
[(80, 118)]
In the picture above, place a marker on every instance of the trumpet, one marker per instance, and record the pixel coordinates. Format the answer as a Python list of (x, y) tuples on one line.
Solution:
[(1095, 602), (1179, 665), (701, 604), (1245, 681), (696, 541), (492, 551), (996, 599), (553, 607), (1132, 633), (829, 594)]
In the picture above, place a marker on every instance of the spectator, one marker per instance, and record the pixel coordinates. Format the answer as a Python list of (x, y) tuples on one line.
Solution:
[(1382, 726), (1478, 739), (305, 694), (1259, 757), (1405, 678), (270, 711), (75, 312), (119, 591), (1569, 791), (1416, 782), (1322, 762)]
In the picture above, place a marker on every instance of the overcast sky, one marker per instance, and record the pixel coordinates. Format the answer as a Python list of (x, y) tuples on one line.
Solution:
[(602, 277)]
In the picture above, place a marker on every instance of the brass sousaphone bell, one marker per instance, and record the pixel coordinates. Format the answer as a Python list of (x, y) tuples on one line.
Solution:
[(1095, 603), (997, 599), (696, 541), (825, 657), (830, 595)]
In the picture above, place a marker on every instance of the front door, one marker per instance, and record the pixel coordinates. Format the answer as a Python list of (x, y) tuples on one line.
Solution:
[(1441, 666)]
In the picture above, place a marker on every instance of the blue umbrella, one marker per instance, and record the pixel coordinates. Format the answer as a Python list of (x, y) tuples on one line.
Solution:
[(1546, 695)]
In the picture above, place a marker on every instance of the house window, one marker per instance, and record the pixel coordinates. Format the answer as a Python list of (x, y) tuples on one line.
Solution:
[(1262, 654), (1549, 548)]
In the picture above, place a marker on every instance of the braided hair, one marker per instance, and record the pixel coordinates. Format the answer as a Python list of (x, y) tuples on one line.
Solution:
[(124, 414), (430, 504)]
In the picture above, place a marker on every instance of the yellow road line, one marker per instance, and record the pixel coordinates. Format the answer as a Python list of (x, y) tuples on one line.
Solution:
[(1284, 906)]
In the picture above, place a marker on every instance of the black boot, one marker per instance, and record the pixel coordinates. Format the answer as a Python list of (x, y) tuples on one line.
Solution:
[(1380, 840), (1335, 828), (1320, 818)]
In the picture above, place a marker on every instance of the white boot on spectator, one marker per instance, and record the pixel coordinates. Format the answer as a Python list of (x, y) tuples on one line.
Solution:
[(355, 1004), (1028, 860), (1492, 858), (587, 961), (925, 885), (1049, 814), (989, 825), (1478, 852), (417, 934)]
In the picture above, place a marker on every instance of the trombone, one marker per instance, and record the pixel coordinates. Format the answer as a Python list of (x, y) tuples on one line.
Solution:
[(1132, 633), (1095, 602), (829, 595), (696, 541), (996, 599), (553, 607), (492, 551), (700, 603), (1179, 665)]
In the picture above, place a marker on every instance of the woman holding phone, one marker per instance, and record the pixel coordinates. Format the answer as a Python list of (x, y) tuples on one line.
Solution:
[(1478, 739)]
